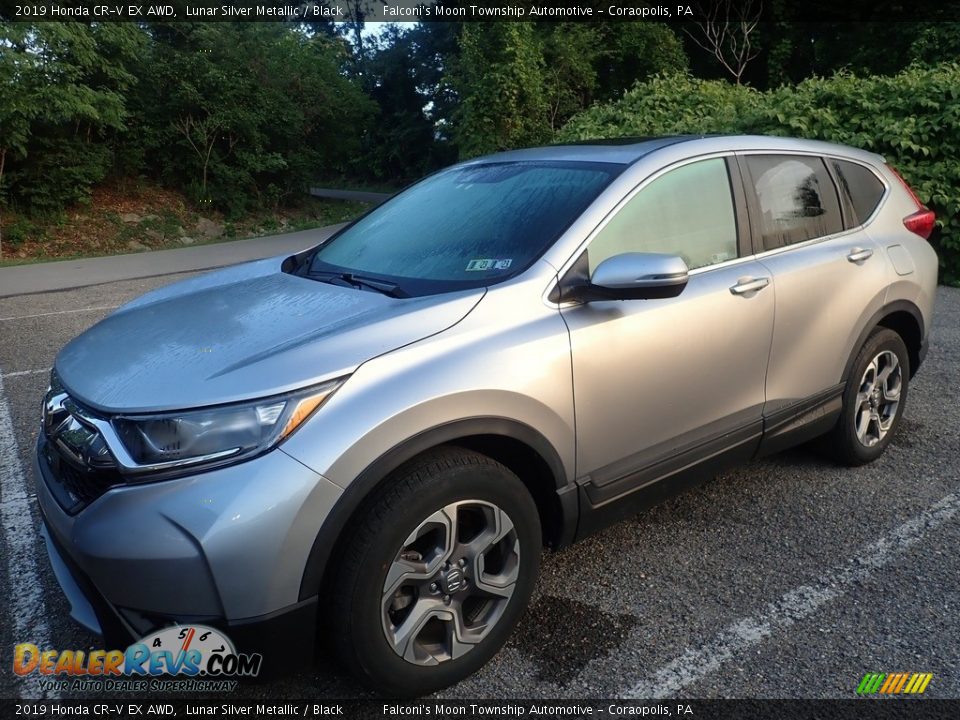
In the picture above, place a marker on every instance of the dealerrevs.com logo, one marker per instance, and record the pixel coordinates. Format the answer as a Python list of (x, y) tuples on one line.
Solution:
[(197, 656)]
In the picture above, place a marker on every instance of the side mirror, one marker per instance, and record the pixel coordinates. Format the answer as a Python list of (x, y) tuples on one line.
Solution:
[(636, 276)]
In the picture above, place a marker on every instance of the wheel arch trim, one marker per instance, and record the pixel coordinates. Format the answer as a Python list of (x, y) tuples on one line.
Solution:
[(360, 488), (875, 321)]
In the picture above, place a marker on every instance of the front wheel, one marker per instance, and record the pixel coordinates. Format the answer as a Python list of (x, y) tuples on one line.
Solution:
[(874, 399), (436, 573)]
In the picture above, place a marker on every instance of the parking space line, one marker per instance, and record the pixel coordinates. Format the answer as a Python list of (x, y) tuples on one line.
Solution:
[(796, 605), (25, 606), (60, 312), (23, 373), (31, 498)]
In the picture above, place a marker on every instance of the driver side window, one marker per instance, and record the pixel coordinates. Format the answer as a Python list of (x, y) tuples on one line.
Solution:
[(686, 212)]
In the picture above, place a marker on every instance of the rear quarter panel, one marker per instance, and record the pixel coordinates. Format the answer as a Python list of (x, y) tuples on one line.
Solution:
[(918, 284)]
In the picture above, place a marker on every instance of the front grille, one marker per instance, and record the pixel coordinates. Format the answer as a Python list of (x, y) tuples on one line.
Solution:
[(78, 487), (78, 466)]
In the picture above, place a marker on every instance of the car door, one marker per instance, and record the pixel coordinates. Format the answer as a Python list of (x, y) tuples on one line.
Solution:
[(661, 385), (829, 276)]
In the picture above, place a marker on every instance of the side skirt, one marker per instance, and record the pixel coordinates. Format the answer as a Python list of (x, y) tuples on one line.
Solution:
[(802, 421), (602, 505)]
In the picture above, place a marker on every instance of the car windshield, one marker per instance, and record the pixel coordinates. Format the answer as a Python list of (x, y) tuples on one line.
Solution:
[(463, 227)]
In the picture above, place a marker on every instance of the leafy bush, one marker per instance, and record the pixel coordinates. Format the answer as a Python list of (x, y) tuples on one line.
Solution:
[(18, 232), (912, 119), (667, 105)]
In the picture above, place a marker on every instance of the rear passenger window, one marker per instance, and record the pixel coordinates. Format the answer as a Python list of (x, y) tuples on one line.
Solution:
[(796, 199), (861, 187)]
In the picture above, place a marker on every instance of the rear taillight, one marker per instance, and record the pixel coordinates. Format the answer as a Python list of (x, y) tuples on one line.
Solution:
[(922, 221)]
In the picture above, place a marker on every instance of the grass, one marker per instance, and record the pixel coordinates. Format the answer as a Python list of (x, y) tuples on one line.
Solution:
[(38, 260)]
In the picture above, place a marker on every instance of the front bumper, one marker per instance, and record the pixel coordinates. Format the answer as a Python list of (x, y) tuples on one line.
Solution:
[(226, 548)]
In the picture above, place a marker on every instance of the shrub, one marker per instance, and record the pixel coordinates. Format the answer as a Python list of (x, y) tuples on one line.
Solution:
[(667, 105), (912, 119), (18, 232)]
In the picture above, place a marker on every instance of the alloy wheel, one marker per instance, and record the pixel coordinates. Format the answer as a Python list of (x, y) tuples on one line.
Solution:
[(450, 582), (878, 398)]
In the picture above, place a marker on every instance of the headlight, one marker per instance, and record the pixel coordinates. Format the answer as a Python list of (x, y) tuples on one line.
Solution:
[(217, 434)]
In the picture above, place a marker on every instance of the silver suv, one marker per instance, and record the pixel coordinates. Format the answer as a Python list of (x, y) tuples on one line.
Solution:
[(369, 442)]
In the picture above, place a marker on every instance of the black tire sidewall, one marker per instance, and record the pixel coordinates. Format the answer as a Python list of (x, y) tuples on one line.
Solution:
[(372, 652), (882, 339)]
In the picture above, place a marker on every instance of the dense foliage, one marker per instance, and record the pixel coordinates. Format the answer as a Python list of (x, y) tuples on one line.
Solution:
[(911, 118), (520, 82), (245, 116), (63, 105), (234, 114)]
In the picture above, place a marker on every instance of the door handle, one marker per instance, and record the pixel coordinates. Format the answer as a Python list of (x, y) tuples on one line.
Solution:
[(748, 285), (858, 254)]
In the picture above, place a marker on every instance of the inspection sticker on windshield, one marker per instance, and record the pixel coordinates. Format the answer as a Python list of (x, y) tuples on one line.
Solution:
[(489, 264)]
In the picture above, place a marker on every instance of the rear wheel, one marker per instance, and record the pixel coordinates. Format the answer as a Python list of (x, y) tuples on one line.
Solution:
[(436, 573), (873, 400)]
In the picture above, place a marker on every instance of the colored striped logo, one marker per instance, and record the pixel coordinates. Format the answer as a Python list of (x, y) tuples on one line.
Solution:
[(894, 683)]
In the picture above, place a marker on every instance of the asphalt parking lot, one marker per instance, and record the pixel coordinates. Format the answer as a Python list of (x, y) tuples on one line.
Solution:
[(787, 578)]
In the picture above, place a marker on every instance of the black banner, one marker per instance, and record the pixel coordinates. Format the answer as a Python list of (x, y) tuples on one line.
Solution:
[(407, 11), (915, 709)]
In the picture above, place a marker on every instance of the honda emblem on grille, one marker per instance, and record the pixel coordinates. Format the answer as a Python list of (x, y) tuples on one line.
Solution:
[(54, 414), (73, 437)]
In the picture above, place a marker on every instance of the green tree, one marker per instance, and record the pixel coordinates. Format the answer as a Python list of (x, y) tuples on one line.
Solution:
[(572, 52), (500, 80), (798, 50), (437, 51), (519, 82), (245, 114), (633, 52), (400, 144), (18, 87), (69, 83), (935, 42)]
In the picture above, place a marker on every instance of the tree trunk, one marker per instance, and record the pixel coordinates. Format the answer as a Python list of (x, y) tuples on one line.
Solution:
[(206, 163)]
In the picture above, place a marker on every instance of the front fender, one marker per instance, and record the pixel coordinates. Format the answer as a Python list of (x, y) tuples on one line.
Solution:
[(366, 481)]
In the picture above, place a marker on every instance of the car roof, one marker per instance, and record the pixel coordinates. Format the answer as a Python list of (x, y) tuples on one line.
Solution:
[(628, 150), (615, 150)]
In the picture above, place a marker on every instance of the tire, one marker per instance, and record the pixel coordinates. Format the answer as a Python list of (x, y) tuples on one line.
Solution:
[(870, 417), (401, 582)]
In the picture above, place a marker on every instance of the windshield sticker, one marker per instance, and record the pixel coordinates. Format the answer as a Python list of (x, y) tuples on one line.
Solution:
[(489, 264)]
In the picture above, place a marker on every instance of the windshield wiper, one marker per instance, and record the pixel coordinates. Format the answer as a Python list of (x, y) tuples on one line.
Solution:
[(384, 287)]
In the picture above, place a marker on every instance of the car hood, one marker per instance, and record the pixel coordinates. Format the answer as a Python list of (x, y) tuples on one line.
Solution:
[(245, 332)]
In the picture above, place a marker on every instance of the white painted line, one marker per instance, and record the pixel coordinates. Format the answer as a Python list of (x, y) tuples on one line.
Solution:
[(60, 312), (792, 607), (25, 607), (22, 373), (31, 498)]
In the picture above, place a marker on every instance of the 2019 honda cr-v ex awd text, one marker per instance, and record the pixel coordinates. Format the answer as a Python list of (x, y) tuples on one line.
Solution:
[(371, 441)]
